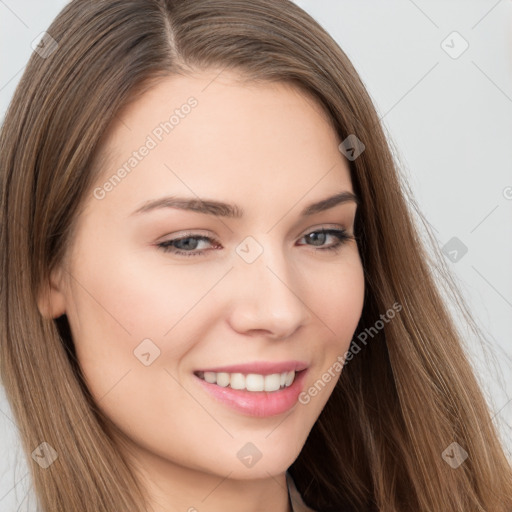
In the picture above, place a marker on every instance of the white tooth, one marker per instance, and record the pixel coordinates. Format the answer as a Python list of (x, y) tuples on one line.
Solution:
[(254, 382), (289, 378), (272, 382), (237, 381), (210, 377), (222, 379)]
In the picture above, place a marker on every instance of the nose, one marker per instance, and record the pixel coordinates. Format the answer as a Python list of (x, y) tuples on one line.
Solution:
[(268, 299)]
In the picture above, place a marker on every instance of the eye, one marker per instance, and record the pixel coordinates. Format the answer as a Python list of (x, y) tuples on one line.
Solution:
[(186, 246), (319, 237), (190, 245)]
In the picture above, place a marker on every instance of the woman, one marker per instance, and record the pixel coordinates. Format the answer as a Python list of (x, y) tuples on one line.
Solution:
[(303, 357)]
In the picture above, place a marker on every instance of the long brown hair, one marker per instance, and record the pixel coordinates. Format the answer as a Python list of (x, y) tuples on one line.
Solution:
[(401, 401)]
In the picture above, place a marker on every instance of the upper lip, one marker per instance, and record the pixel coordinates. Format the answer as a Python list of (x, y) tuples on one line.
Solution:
[(260, 367)]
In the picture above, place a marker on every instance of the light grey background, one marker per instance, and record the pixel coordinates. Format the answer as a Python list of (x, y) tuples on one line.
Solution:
[(450, 120)]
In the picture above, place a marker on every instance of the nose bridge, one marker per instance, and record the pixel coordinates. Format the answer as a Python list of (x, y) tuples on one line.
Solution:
[(267, 298)]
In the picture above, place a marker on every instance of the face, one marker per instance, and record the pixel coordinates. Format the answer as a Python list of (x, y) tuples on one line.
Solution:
[(157, 290)]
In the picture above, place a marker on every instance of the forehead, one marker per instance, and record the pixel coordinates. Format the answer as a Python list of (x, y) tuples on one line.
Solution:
[(211, 132)]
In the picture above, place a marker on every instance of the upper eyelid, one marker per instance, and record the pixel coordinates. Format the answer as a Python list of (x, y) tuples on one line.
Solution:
[(198, 233), (214, 239)]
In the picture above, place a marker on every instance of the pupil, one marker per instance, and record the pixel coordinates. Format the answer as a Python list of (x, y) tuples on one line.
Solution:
[(187, 243)]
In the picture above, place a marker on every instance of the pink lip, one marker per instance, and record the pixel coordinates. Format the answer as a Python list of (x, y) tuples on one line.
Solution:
[(262, 368), (257, 403)]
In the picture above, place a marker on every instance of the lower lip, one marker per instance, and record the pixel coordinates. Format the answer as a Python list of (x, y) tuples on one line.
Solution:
[(257, 403)]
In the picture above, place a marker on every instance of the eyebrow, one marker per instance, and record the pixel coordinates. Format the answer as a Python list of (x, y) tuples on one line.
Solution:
[(220, 209)]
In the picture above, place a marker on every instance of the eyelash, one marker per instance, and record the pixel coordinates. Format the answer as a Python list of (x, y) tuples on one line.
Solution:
[(340, 234)]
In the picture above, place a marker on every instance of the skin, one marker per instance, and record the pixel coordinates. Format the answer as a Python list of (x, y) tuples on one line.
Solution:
[(271, 150)]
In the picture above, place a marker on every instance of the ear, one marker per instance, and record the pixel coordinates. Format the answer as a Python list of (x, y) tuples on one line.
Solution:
[(52, 301)]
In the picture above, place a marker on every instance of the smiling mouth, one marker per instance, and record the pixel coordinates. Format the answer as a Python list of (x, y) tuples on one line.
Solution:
[(250, 382)]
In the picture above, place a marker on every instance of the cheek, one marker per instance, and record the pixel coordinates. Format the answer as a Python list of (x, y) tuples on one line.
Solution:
[(115, 307), (336, 297), (337, 300), (121, 300), (125, 298)]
